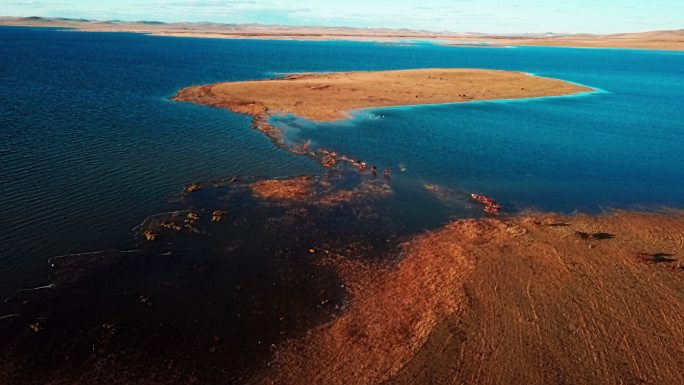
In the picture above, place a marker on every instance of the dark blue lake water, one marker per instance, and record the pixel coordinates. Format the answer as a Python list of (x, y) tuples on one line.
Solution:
[(90, 144)]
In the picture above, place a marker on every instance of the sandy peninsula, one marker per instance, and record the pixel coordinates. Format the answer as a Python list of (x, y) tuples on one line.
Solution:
[(664, 40), (332, 96), (533, 298)]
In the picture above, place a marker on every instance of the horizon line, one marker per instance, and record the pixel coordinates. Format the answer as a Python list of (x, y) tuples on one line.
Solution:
[(440, 32)]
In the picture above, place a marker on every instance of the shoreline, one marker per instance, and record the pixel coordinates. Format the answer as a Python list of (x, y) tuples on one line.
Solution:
[(408, 309), (461, 274), (469, 254), (359, 112), (404, 315), (259, 267), (655, 40), (331, 96)]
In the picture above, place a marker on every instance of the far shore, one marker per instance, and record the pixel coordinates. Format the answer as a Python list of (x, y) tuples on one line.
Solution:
[(657, 40)]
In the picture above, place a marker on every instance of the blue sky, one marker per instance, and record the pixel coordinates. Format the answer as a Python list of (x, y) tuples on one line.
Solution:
[(492, 16)]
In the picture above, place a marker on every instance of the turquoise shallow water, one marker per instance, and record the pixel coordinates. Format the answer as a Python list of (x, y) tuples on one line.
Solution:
[(617, 147), (90, 144)]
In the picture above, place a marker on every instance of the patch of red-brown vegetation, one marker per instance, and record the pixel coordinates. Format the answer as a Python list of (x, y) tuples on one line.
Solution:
[(319, 190), (289, 189), (174, 222), (392, 310), (533, 299)]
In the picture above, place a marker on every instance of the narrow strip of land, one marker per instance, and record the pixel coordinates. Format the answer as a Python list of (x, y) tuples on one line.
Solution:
[(663, 40)]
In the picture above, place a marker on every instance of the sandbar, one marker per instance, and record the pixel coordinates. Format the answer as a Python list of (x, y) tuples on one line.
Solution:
[(332, 96)]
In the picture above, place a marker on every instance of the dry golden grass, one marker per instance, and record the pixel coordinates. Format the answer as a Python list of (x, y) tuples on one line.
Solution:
[(520, 300), (332, 96)]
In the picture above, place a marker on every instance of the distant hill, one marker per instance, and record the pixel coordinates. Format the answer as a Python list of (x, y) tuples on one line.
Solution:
[(673, 39)]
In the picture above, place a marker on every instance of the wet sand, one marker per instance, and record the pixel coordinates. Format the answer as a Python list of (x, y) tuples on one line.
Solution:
[(332, 96), (668, 40)]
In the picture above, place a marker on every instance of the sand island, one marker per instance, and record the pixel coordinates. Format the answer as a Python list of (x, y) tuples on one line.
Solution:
[(332, 96)]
